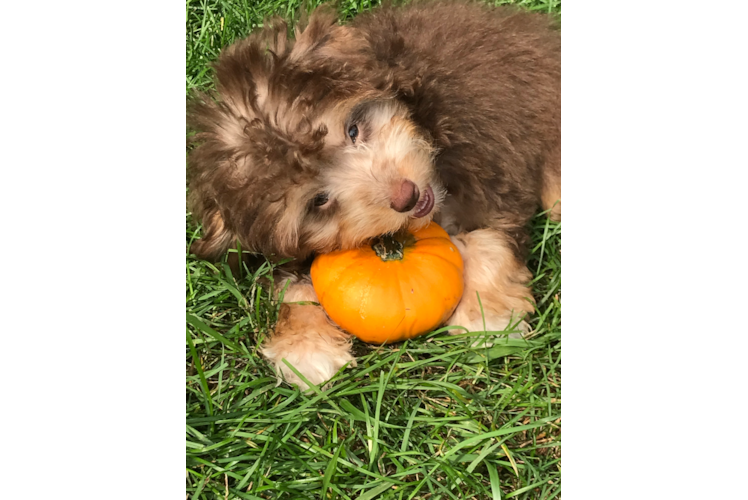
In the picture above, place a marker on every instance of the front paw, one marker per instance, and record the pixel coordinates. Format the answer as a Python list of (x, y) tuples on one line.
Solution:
[(305, 338), (474, 321)]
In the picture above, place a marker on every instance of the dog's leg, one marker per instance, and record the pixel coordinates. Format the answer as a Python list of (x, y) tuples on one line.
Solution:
[(551, 192), (305, 338), (493, 271)]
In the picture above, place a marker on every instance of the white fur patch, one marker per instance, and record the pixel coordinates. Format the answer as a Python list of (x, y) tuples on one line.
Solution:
[(314, 356), (306, 339), (493, 274), (491, 324)]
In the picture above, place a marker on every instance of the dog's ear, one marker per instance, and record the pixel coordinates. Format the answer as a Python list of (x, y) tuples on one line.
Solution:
[(319, 37), (217, 240), (216, 237), (312, 28)]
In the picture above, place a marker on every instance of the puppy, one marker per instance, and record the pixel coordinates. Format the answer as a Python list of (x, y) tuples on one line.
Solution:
[(446, 111)]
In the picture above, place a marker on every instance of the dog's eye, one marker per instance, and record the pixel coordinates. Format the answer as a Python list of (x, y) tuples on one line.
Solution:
[(353, 133), (321, 199)]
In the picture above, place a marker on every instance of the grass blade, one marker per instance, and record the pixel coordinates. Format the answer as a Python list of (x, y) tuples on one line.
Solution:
[(201, 374), (495, 488), (192, 320)]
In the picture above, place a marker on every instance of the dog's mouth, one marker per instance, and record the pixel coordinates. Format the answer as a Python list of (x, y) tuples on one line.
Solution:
[(424, 205)]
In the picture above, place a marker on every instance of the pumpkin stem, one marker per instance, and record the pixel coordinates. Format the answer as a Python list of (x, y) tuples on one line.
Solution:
[(388, 247)]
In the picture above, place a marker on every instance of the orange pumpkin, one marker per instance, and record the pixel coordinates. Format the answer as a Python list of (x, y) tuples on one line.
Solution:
[(394, 289)]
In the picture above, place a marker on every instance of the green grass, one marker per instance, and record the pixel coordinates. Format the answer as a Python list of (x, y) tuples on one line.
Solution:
[(430, 418)]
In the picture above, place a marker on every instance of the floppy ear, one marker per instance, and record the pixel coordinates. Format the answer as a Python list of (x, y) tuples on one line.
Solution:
[(319, 37), (311, 29), (216, 237), (217, 240)]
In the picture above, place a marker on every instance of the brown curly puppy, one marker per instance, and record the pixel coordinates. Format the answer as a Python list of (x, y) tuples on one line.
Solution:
[(442, 110)]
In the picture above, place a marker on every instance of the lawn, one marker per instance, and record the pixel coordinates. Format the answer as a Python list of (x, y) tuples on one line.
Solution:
[(429, 418)]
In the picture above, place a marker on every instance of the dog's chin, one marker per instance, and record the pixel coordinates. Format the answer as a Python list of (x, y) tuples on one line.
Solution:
[(407, 223), (414, 224)]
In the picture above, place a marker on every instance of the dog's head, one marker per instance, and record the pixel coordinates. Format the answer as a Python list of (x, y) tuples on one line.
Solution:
[(303, 148)]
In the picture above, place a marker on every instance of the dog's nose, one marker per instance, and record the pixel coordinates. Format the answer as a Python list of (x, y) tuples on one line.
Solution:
[(405, 196)]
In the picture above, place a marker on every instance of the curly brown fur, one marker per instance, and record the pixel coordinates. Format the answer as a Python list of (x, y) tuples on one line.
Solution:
[(445, 110), (486, 83)]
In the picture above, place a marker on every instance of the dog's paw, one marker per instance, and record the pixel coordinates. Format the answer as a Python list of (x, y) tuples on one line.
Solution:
[(306, 339), (511, 324)]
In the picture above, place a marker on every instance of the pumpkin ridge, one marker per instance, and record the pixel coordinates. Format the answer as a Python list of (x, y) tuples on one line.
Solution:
[(424, 252), (439, 237), (356, 260), (397, 327), (366, 295), (396, 272), (432, 230), (405, 284), (338, 275)]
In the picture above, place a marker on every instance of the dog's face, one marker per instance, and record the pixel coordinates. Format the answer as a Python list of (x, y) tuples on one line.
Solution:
[(377, 176), (302, 154)]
